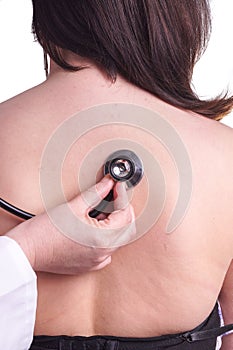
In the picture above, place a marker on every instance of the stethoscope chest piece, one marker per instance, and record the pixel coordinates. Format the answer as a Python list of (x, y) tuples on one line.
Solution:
[(124, 165)]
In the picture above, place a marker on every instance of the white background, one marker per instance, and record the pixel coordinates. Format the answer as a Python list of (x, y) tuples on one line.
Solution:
[(21, 60)]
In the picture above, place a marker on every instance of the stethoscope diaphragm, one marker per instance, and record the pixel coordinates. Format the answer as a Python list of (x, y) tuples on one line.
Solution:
[(124, 165)]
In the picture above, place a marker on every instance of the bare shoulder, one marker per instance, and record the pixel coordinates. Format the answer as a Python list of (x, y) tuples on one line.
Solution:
[(222, 141), (210, 146), (219, 164), (22, 135), (214, 138)]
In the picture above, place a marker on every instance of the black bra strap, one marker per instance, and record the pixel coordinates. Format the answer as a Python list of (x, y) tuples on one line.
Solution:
[(210, 333)]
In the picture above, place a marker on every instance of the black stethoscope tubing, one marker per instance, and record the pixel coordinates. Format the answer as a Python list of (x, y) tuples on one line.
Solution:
[(14, 210)]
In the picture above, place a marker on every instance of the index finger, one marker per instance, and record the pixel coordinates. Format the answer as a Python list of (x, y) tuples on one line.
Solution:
[(121, 200)]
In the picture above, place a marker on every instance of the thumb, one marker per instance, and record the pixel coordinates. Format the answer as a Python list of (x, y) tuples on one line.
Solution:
[(97, 193), (121, 199)]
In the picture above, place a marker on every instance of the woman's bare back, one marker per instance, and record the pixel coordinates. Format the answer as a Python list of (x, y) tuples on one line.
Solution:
[(161, 283)]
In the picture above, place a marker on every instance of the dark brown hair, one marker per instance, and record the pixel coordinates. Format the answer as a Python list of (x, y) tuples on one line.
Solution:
[(154, 44)]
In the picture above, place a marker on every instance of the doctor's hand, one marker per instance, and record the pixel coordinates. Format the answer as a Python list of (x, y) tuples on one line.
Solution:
[(93, 240)]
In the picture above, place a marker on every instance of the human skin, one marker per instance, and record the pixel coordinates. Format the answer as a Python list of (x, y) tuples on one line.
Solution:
[(161, 283)]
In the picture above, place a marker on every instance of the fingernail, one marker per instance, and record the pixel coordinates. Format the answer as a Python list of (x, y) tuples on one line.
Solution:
[(106, 180)]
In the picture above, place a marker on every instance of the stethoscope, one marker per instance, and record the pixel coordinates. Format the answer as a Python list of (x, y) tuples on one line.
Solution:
[(122, 165)]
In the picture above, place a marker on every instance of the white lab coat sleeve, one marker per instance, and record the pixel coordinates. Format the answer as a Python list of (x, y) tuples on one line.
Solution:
[(18, 297)]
